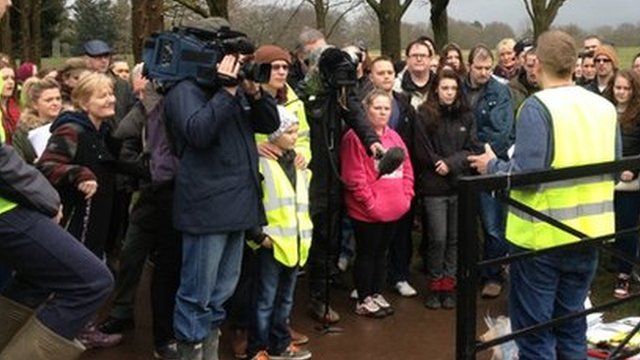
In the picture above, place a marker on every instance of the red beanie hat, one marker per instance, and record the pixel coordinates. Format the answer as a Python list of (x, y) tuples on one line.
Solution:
[(267, 54), (25, 71)]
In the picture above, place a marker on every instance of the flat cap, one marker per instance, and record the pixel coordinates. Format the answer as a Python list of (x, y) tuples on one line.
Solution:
[(96, 48)]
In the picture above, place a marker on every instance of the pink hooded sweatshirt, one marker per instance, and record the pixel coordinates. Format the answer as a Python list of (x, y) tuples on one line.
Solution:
[(368, 198)]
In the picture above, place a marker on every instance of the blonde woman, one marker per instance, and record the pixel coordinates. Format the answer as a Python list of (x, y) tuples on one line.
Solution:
[(43, 105)]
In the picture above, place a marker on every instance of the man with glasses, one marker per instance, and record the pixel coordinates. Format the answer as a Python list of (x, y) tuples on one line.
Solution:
[(607, 62), (416, 81)]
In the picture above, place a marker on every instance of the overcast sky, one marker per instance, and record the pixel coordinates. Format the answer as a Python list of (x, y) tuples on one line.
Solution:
[(586, 13)]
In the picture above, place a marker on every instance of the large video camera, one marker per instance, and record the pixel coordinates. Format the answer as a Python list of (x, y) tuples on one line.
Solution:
[(190, 53), (338, 68)]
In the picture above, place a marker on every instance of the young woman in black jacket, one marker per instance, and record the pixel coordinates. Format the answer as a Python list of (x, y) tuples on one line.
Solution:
[(624, 92), (444, 137)]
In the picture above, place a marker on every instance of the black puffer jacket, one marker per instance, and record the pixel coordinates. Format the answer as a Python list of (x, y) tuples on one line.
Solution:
[(451, 138)]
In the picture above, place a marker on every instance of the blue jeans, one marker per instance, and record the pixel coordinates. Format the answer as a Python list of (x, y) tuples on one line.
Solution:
[(627, 205), (493, 218), (54, 272), (546, 287), (210, 271), (272, 301)]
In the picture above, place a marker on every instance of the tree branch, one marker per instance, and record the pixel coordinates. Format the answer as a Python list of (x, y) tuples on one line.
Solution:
[(375, 6), (354, 5), (528, 7), (405, 6), (193, 7)]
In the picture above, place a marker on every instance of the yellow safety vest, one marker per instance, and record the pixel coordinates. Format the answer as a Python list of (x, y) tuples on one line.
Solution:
[(296, 107), (584, 132), (5, 205), (287, 210)]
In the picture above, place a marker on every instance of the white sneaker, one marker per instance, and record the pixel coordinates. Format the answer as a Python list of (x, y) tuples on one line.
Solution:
[(369, 308), (404, 289), (383, 304), (354, 294)]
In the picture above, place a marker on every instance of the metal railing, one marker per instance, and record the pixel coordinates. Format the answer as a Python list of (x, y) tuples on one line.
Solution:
[(467, 342)]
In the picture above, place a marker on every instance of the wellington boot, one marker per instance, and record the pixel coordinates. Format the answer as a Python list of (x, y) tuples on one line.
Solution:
[(211, 345), (12, 317), (35, 341)]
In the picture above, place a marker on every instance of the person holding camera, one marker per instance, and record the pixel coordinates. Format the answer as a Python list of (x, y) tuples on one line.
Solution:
[(217, 191), (329, 102)]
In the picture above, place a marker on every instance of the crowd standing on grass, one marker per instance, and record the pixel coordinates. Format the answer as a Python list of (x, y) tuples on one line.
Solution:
[(231, 190)]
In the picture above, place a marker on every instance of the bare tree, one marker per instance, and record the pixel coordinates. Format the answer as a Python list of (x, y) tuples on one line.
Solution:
[(218, 8), (542, 13), (389, 13), (323, 7), (440, 22), (147, 17)]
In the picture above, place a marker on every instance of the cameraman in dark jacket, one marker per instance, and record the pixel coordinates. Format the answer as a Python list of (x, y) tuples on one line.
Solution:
[(325, 118), (217, 192)]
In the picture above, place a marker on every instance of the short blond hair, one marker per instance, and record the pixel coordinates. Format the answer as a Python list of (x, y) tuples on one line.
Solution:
[(505, 43), (87, 86)]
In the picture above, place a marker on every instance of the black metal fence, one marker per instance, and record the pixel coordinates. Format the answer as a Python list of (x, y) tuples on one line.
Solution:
[(467, 342)]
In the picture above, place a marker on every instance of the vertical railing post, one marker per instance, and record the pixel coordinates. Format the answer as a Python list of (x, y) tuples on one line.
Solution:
[(467, 282)]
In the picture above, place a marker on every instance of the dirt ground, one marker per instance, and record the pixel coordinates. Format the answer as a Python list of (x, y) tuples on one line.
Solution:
[(414, 332)]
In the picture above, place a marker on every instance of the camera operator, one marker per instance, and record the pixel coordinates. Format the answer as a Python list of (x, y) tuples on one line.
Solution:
[(217, 191), (325, 195)]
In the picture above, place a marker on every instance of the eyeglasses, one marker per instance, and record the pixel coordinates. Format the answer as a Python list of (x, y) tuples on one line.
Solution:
[(419, 56), (602, 61), (276, 67)]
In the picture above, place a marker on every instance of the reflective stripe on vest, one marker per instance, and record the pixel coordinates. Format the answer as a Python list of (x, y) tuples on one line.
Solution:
[(5, 205), (289, 224), (584, 132)]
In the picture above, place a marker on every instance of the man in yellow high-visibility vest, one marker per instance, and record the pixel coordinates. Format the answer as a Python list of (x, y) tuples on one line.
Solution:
[(561, 126)]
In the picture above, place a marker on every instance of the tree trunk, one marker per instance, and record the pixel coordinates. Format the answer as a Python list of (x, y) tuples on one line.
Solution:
[(219, 8), (390, 36), (36, 32), (25, 30), (146, 18), (6, 45), (440, 23), (321, 15)]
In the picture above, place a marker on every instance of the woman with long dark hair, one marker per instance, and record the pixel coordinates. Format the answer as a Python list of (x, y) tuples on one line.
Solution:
[(445, 135), (625, 94)]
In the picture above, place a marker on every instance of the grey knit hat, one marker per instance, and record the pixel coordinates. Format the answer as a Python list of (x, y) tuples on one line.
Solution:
[(287, 119)]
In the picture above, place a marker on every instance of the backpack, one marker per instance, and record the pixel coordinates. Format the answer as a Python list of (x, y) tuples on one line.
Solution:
[(158, 145)]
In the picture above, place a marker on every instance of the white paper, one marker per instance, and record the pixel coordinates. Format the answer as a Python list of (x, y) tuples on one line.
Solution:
[(39, 138)]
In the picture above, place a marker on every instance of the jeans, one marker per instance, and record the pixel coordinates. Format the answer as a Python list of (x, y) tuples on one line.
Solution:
[(370, 266), (272, 301), (401, 249), (546, 287), (441, 214), (55, 273), (493, 218), (627, 205), (238, 306), (150, 233), (210, 271)]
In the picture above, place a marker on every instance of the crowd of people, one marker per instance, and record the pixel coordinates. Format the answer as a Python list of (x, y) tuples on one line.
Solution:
[(231, 191)]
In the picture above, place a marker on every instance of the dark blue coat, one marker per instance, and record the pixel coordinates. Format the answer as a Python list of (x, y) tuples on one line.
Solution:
[(494, 117), (218, 185)]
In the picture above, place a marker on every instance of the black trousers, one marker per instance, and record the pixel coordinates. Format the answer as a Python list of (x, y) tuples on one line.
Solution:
[(370, 266)]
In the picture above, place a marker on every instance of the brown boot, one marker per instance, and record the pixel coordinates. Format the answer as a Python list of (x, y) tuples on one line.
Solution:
[(239, 344), (35, 341), (298, 338), (12, 317)]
